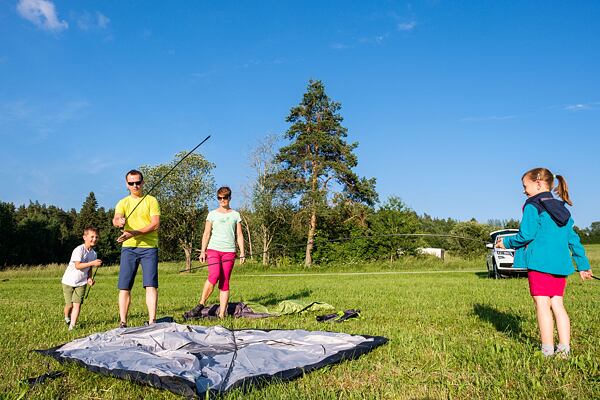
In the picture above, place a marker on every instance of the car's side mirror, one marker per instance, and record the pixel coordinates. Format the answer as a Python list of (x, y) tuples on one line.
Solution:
[(489, 245)]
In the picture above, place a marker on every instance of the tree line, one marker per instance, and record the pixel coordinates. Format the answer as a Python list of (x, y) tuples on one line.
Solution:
[(304, 203)]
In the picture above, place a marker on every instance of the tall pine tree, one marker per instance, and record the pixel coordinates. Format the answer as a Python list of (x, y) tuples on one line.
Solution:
[(88, 215), (318, 157)]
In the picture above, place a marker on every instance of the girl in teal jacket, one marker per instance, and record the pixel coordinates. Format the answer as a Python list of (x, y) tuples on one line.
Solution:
[(546, 244)]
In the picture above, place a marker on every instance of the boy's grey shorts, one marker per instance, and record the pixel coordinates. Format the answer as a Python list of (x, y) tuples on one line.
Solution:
[(131, 257)]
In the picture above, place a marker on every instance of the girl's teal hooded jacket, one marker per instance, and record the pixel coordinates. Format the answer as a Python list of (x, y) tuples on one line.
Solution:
[(546, 240)]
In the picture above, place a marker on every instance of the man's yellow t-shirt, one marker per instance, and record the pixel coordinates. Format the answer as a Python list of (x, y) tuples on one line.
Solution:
[(139, 219)]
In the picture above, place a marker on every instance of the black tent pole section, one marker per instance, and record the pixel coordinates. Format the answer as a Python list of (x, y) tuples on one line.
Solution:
[(165, 175), (150, 191)]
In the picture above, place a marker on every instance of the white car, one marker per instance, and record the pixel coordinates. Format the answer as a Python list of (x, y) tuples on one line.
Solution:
[(500, 261)]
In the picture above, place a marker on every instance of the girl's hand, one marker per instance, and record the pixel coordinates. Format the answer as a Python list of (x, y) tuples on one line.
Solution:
[(585, 274), (202, 257), (242, 259), (500, 243)]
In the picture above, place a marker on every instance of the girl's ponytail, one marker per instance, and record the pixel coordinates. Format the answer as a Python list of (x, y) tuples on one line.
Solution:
[(562, 190)]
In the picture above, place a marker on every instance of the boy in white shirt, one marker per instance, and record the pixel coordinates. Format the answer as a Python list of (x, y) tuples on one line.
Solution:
[(78, 274)]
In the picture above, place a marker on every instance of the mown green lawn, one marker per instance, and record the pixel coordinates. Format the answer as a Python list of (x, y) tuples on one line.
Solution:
[(452, 334)]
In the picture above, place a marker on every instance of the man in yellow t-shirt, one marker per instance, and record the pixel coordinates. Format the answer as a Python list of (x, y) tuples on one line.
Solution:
[(140, 244)]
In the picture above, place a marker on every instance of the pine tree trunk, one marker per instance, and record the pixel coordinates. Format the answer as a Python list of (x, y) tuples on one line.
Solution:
[(309, 242)]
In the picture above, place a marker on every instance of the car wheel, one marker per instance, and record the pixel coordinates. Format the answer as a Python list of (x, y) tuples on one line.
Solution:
[(490, 270), (495, 272)]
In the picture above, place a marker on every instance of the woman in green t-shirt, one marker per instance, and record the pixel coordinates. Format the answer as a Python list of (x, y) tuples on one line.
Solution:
[(222, 230)]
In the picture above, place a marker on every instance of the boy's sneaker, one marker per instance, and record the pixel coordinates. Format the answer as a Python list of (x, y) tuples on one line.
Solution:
[(67, 320), (148, 323), (195, 312), (71, 327), (122, 325)]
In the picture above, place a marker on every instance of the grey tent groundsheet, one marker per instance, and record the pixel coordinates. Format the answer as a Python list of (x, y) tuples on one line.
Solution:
[(191, 360)]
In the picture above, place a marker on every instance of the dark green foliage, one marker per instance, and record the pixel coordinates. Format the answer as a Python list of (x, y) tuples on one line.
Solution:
[(590, 235), (394, 218), (478, 235), (438, 226), (8, 230), (44, 234)]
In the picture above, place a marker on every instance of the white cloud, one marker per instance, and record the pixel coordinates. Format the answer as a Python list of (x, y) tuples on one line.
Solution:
[(377, 39), (14, 111), (42, 14), (582, 106), (87, 21), (490, 118), (40, 120), (103, 20), (407, 26), (339, 46)]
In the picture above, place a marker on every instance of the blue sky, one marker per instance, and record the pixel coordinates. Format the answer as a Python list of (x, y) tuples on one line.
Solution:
[(450, 101)]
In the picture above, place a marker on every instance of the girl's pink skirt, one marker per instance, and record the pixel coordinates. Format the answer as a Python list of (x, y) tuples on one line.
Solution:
[(543, 284)]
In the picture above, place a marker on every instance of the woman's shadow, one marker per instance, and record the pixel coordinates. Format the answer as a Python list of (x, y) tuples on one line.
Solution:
[(272, 298), (504, 322)]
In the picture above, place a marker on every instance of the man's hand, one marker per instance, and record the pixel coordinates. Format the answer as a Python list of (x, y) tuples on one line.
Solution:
[(585, 274), (120, 222), (96, 263), (126, 235), (500, 243), (91, 282)]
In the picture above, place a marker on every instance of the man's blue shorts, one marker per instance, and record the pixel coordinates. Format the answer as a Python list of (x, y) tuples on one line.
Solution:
[(131, 257)]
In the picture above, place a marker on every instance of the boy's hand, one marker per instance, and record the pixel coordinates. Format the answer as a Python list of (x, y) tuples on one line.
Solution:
[(585, 274), (96, 263), (500, 243), (91, 282)]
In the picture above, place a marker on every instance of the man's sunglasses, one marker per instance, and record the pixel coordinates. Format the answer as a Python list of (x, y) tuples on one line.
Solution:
[(137, 183), (222, 197)]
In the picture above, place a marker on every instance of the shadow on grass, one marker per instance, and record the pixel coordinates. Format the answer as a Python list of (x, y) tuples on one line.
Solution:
[(504, 322), (271, 299), (486, 275)]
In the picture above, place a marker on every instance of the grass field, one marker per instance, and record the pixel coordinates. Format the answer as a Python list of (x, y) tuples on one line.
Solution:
[(452, 335)]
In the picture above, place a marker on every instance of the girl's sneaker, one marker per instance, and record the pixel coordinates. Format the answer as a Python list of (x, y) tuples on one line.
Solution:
[(562, 351)]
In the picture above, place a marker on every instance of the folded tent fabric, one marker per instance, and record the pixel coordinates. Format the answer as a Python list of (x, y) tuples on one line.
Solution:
[(256, 310)]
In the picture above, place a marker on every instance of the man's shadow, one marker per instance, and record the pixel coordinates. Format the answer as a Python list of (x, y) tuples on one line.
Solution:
[(504, 322)]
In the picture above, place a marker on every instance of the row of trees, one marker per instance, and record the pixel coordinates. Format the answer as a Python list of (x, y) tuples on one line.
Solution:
[(305, 204)]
